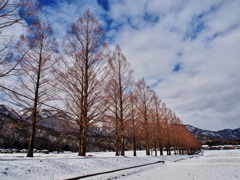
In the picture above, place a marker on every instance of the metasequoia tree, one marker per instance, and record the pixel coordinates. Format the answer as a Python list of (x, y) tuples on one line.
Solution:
[(113, 111), (160, 128), (34, 88), (177, 135), (17, 11), (82, 74), (189, 143), (181, 130), (153, 132), (173, 132), (132, 123), (13, 12), (120, 83), (166, 115), (144, 94), (156, 123)]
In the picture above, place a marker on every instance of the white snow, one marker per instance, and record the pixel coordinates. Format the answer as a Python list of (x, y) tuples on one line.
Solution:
[(223, 164)]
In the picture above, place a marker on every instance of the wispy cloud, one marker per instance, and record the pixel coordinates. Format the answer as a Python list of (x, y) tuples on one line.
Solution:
[(188, 51)]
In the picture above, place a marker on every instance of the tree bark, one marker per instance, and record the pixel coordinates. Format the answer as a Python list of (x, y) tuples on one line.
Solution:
[(160, 147), (116, 137), (155, 147), (122, 140), (146, 131), (134, 146), (34, 115), (80, 142), (83, 141), (134, 137)]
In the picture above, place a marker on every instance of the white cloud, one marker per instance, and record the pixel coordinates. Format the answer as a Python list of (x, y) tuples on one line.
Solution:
[(65, 13), (152, 33), (204, 92)]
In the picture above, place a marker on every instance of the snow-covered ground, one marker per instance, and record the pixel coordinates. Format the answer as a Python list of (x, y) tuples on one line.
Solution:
[(223, 164)]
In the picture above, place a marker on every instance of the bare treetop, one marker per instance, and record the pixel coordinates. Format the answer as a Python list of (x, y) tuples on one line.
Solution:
[(36, 48), (17, 11), (82, 73), (14, 12)]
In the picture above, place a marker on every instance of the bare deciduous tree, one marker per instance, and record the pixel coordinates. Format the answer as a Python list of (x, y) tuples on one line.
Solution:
[(113, 111), (37, 47), (121, 82), (155, 121), (17, 11), (82, 74), (11, 13), (167, 115), (144, 95), (132, 120)]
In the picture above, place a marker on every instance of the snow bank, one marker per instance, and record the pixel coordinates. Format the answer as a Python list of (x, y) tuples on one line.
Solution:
[(213, 165)]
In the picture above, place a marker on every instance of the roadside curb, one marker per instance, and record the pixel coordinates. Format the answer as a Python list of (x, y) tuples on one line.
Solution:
[(186, 158), (106, 172), (179, 159)]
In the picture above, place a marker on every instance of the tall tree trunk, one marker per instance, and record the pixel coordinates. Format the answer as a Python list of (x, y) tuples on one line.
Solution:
[(146, 134), (116, 133), (122, 140), (80, 142), (155, 147), (134, 138), (168, 149), (121, 125), (116, 145), (32, 135), (147, 143), (160, 147), (121, 111), (134, 146), (83, 141), (85, 102), (34, 116)]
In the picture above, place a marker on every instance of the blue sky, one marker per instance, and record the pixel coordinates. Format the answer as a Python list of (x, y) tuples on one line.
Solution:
[(187, 50)]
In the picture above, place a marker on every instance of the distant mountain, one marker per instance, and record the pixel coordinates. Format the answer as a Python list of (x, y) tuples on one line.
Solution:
[(9, 112), (225, 134), (51, 119), (51, 122), (51, 132), (55, 130)]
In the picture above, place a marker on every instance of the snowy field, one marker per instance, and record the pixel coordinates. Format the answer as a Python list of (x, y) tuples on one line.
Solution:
[(223, 164)]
